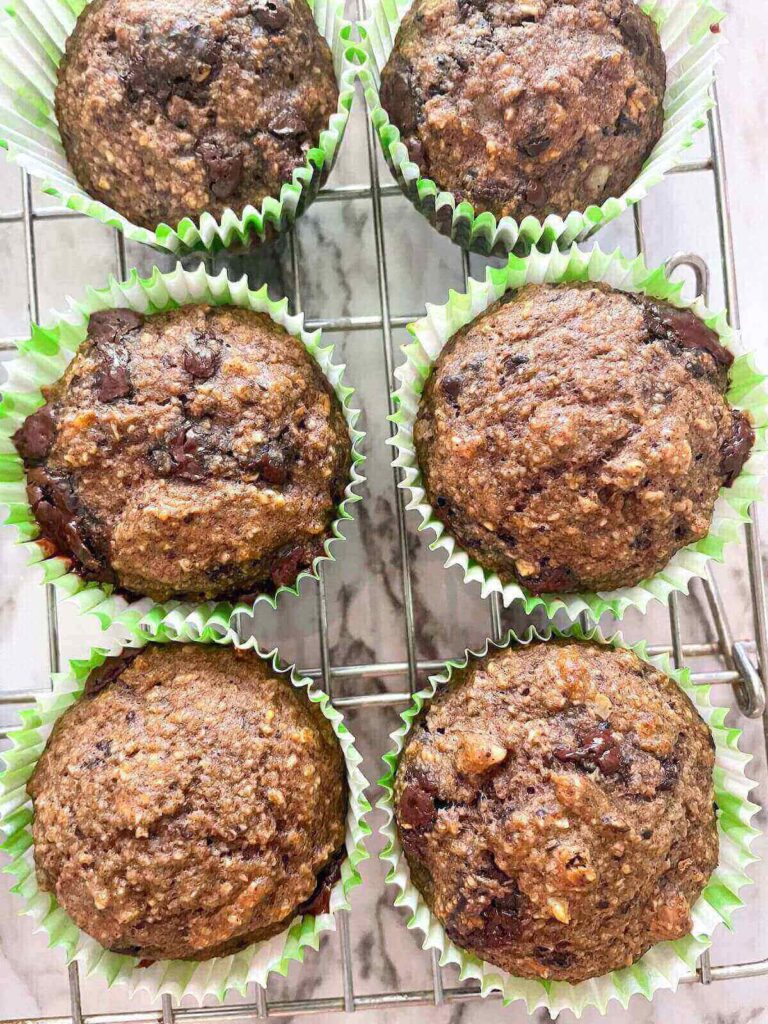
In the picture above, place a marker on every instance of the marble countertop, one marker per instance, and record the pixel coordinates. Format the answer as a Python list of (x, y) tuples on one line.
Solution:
[(365, 596)]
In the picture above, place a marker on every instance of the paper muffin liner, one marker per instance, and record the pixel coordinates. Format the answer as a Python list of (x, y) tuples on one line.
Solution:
[(747, 391), (690, 34), (42, 360), (664, 964), (32, 41), (177, 978)]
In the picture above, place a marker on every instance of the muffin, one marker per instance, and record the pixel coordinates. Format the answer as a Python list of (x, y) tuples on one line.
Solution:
[(574, 437), (532, 107), (190, 803), (555, 806), (197, 454), (170, 108)]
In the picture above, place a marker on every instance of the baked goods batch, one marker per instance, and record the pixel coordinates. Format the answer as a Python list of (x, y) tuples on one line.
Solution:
[(554, 801)]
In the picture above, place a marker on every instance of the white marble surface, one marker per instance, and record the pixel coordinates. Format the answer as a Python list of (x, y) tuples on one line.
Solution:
[(338, 277)]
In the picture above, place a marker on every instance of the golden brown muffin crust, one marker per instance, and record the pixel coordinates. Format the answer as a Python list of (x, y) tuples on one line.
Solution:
[(187, 804), (169, 108), (527, 106), (199, 453), (574, 437), (555, 804)]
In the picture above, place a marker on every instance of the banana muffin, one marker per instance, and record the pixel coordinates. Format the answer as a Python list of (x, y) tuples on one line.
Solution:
[(573, 437), (169, 108), (190, 803), (555, 806), (527, 106), (198, 454)]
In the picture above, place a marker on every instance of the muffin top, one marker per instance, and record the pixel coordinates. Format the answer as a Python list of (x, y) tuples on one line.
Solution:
[(169, 108), (527, 106), (574, 437), (192, 802), (198, 453), (555, 805)]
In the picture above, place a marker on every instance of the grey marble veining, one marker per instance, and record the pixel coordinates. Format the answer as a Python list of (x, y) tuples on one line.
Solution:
[(338, 277)]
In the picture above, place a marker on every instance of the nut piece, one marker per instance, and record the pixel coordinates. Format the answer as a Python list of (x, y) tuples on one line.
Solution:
[(477, 753), (559, 909)]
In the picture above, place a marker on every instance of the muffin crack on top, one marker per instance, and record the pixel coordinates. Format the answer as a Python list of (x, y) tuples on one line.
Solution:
[(555, 806), (527, 106), (169, 108), (198, 453), (191, 803), (574, 437)]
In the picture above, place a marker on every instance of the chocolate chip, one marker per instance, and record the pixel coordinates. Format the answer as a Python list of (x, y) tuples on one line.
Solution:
[(554, 957), (286, 124), (670, 773), (105, 746), (599, 749), (185, 451), (441, 502), (109, 326), (289, 562), (320, 900), (416, 808), (646, 833), (55, 507), (535, 145), (683, 329), (224, 169), (201, 358), (272, 462), (398, 97), (35, 437), (113, 380), (734, 452), (550, 579), (626, 126), (270, 14), (500, 924), (451, 386), (536, 194), (111, 669), (634, 30), (180, 61)]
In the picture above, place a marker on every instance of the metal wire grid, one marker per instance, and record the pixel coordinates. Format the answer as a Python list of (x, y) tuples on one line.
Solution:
[(739, 670)]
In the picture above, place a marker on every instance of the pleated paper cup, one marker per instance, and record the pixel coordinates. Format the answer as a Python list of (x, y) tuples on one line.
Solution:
[(32, 41), (177, 978), (747, 391), (42, 359), (690, 34), (664, 964)]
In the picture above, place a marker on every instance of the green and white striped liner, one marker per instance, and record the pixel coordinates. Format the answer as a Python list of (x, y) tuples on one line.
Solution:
[(747, 391), (32, 40), (689, 36), (175, 977), (663, 965), (43, 358)]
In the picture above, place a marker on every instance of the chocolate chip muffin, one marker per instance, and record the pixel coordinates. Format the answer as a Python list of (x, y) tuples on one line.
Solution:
[(195, 454), (192, 802), (555, 805), (574, 437), (169, 108), (527, 106)]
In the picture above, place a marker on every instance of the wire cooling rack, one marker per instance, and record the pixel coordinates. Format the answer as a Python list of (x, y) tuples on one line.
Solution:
[(737, 660)]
